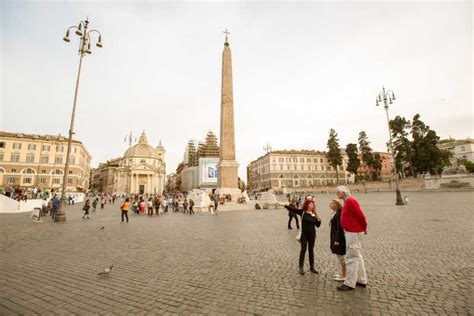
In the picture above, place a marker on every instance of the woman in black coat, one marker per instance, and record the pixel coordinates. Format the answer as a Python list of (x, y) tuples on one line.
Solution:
[(338, 240), (310, 220)]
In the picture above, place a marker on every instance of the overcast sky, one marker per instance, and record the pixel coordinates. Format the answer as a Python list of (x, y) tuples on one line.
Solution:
[(299, 69)]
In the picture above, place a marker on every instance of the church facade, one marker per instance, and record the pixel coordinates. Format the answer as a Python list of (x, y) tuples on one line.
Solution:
[(140, 170)]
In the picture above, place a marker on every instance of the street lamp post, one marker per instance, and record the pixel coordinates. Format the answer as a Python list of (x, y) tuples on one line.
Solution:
[(84, 48), (388, 97)]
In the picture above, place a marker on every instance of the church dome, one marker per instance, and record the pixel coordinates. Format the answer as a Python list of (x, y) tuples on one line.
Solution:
[(142, 149)]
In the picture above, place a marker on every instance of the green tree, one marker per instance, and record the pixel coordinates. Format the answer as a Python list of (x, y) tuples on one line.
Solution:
[(354, 161), (402, 146), (334, 152), (468, 164), (366, 152), (377, 165), (427, 157)]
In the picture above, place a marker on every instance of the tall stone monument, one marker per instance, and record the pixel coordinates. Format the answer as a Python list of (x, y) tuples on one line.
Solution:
[(228, 166)]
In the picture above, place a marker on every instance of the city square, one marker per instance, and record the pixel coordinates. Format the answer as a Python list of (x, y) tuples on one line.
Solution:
[(236, 158), (418, 258)]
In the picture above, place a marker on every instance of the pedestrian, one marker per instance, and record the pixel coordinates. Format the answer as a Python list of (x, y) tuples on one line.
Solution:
[(94, 204), (135, 206), (310, 220), (216, 202), (191, 205), (102, 202), (150, 207), (124, 208), (44, 206), (211, 207), (86, 208), (142, 206), (54, 207), (337, 239), (165, 205), (185, 205), (354, 223), (292, 216)]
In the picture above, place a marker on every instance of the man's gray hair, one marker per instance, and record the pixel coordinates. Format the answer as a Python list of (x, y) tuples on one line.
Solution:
[(344, 189)]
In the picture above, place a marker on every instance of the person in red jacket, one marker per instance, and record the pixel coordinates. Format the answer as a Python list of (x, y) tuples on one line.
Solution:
[(354, 223)]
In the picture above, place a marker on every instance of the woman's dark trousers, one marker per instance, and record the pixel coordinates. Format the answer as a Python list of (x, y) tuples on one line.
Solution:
[(307, 242)]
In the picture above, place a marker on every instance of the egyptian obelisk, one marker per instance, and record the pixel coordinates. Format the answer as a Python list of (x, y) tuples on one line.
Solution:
[(228, 166)]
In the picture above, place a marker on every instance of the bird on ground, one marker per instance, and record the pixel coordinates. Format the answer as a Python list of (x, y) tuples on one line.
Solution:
[(106, 271), (102, 227)]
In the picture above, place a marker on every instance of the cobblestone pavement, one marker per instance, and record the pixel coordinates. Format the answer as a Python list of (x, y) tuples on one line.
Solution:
[(419, 260)]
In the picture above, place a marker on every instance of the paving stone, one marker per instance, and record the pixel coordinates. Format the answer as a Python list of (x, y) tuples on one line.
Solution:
[(418, 258)]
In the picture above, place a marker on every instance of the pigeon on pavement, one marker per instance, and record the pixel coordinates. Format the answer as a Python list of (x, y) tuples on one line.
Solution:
[(106, 271)]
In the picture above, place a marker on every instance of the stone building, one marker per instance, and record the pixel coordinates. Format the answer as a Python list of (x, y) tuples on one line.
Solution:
[(298, 170), (386, 162), (37, 161), (141, 170), (460, 148)]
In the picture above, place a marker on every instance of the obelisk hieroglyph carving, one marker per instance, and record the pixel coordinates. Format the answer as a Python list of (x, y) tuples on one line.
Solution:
[(228, 166)]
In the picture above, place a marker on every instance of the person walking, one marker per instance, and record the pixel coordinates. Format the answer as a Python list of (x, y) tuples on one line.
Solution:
[(94, 204), (54, 207), (354, 223), (86, 208), (150, 207), (185, 205), (102, 202), (337, 239), (191, 205), (310, 220), (211, 207), (124, 208), (292, 216)]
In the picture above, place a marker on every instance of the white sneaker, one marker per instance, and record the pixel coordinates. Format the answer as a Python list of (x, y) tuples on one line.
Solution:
[(336, 275), (339, 279)]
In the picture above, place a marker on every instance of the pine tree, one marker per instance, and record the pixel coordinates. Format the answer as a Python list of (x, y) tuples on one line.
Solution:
[(366, 152), (334, 152), (427, 157), (354, 162), (402, 146)]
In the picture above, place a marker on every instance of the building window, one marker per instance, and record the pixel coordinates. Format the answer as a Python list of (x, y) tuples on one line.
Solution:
[(142, 161), (31, 146), (30, 158), (42, 180), (15, 158), (69, 181), (321, 160), (59, 159), (72, 160), (28, 171), (26, 180), (11, 180), (45, 147), (70, 172), (13, 170), (2, 144), (301, 159), (44, 159), (57, 171), (16, 146), (43, 171), (1, 157), (56, 181)]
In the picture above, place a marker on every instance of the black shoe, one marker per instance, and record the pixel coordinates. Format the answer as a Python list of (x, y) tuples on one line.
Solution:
[(301, 271), (344, 287), (290, 228), (314, 270), (361, 284)]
